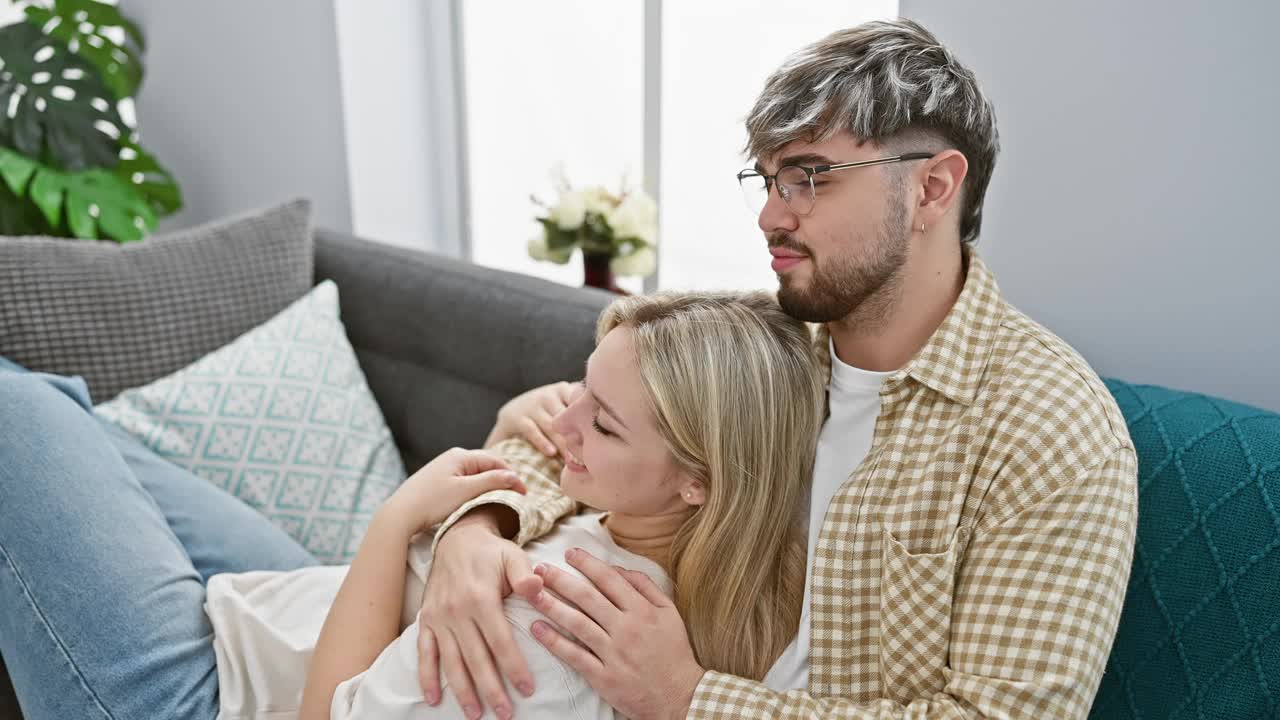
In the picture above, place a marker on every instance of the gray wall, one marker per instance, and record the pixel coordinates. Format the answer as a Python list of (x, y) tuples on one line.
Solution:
[(242, 102), (1132, 209)]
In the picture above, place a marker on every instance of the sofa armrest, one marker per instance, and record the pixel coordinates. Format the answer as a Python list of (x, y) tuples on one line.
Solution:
[(444, 343)]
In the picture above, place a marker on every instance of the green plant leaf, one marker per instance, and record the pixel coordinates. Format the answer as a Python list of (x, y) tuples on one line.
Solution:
[(80, 217), (120, 225), (102, 14), (156, 184), (46, 193), (96, 202), (122, 213), (67, 133), (79, 24), (18, 216), (16, 170)]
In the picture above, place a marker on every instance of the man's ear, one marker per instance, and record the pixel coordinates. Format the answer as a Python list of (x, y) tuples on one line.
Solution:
[(940, 179)]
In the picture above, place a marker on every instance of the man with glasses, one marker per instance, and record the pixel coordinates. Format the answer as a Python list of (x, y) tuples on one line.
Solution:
[(973, 508)]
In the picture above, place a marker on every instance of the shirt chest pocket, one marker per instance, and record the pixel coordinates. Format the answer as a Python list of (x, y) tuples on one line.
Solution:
[(916, 594)]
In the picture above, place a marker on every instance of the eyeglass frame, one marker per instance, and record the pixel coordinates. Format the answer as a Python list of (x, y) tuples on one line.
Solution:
[(772, 180)]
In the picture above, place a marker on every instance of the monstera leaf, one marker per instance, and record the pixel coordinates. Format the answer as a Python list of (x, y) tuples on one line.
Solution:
[(140, 168), (53, 106), (93, 202), (18, 216), (69, 164), (84, 27)]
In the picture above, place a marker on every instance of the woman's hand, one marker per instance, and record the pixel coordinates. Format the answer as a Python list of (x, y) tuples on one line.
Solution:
[(529, 416), (441, 486)]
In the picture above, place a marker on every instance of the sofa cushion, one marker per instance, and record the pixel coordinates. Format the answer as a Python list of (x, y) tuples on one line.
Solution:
[(122, 315), (283, 419), (445, 343), (1198, 634)]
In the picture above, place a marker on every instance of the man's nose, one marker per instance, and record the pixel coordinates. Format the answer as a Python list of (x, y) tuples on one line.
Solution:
[(776, 214)]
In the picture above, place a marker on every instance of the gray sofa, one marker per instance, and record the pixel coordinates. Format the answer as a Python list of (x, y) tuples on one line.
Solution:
[(443, 344)]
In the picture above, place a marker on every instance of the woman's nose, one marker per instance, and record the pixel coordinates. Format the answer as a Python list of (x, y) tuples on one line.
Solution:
[(564, 422)]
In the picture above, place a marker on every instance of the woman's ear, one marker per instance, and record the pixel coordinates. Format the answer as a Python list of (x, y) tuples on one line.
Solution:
[(693, 492)]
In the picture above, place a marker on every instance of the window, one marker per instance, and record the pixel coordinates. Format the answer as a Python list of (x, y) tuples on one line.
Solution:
[(551, 83), (716, 57), (562, 82)]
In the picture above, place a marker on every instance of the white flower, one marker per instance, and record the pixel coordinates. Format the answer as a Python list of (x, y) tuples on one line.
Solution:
[(597, 200), (571, 211), (635, 217), (539, 250), (642, 262)]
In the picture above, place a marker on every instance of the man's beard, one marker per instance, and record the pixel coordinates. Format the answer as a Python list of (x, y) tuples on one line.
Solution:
[(842, 287)]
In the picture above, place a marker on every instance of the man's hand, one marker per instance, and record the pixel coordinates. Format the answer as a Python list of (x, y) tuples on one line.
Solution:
[(463, 626), (637, 653), (529, 416)]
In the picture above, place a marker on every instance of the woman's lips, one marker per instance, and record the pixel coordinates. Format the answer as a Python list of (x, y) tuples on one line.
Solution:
[(573, 464)]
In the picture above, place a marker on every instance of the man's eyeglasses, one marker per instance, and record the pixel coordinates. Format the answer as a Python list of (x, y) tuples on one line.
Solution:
[(795, 182)]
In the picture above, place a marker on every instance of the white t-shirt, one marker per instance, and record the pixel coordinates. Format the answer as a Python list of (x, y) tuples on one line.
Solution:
[(853, 396), (266, 625)]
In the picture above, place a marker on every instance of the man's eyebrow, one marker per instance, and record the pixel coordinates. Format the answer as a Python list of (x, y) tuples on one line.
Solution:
[(803, 159), (806, 159), (599, 400)]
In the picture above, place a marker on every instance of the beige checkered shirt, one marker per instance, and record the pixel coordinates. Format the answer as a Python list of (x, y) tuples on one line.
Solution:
[(974, 565)]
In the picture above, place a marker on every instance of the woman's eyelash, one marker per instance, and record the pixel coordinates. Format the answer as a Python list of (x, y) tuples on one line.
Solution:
[(595, 423)]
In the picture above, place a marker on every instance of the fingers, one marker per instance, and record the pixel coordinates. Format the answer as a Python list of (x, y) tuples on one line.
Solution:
[(545, 419), (572, 620), (519, 574), (582, 594), (619, 592), (497, 635), (645, 586), (494, 480), (488, 685), (473, 462), (529, 430), (428, 665), (455, 671), (564, 392), (573, 654)]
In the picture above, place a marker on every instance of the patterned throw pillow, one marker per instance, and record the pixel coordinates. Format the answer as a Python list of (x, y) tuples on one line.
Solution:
[(283, 419)]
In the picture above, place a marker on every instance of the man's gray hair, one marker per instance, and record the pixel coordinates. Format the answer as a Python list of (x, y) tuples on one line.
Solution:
[(888, 82)]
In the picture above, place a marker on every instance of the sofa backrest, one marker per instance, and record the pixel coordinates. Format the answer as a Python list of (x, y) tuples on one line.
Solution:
[(444, 343), (1198, 635)]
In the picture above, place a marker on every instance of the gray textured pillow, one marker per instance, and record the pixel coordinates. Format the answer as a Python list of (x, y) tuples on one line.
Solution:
[(121, 316)]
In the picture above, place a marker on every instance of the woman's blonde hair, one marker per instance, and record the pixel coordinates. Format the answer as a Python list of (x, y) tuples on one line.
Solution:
[(738, 396)]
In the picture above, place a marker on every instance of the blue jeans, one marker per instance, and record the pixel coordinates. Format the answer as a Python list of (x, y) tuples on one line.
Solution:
[(104, 553)]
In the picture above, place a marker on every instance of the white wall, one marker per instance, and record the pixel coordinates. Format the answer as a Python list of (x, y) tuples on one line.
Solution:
[(351, 103), (242, 102), (1132, 207)]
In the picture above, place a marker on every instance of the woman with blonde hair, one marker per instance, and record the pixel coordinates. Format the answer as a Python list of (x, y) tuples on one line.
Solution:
[(691, 441)]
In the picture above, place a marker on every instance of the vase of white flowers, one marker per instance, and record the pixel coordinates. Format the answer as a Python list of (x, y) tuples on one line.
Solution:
[(617, 233)]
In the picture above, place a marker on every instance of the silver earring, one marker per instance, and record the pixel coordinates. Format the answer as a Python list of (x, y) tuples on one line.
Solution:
[(921, 227)]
